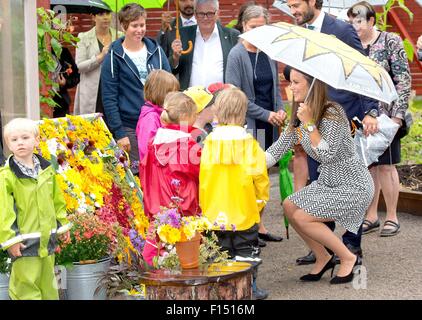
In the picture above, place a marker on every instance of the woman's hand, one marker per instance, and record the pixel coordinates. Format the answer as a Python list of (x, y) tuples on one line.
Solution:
[(282, 114), (275, 119), (304, 113), (15, 250), (102, 54), (124, 143)]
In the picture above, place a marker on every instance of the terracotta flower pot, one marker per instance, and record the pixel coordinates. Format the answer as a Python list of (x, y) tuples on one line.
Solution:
[(188, 252)]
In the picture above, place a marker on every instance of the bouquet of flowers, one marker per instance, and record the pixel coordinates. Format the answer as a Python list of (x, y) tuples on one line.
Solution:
[(172, 227)]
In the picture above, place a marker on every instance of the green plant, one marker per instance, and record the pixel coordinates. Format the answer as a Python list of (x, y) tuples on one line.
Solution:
[(383, 25), (411, 151), (4, 262), (52, 33), (91, 239)]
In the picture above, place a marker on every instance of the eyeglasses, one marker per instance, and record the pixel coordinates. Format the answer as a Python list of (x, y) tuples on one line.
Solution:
[(209, 15)]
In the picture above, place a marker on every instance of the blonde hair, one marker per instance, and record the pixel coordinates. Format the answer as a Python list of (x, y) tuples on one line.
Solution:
[(20, 124), (231, 105), (177, 106), (158, 84)]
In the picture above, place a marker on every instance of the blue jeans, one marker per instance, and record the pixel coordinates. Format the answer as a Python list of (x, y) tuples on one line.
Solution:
[(348, 237)]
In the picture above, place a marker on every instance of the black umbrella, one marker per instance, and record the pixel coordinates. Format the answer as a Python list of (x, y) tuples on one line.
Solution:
[(79, 6)]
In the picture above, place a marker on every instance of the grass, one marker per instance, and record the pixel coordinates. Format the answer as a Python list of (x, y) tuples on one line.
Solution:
[(411, 150)]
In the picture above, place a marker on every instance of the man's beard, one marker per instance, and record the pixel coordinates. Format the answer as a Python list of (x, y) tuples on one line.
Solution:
[(188, 11), (307, 16)]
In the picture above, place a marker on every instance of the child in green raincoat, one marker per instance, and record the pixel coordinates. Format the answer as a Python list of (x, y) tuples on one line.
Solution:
[(32, 214)]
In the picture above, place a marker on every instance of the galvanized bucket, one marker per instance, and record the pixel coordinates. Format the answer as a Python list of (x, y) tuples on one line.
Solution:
[(4, 286), (83, 279)]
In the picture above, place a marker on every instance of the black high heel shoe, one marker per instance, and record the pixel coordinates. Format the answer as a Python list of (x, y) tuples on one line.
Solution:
[(349, 277), (317, 276)]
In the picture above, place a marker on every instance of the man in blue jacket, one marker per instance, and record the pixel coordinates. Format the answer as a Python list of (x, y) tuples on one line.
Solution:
[(309, 14)]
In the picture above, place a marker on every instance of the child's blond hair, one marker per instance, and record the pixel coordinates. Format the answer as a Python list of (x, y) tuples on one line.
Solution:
[(158, 84), (20, 124), (177, 106), (231, 105)]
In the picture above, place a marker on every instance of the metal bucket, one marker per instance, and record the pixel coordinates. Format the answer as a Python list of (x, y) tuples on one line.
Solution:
[(4, 286), (83, 279)]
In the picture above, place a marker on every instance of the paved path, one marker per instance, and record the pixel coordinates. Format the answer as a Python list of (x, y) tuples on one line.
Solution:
[(393, 264)]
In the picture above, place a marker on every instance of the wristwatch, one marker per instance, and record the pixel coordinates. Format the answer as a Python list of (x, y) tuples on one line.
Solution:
[(373, 113), (310, 126)]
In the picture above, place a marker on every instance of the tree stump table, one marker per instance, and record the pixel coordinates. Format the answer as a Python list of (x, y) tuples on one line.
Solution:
[(228, 281)]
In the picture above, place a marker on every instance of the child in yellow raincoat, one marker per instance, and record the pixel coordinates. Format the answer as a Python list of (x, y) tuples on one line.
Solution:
[(32, 214), (233, 180)]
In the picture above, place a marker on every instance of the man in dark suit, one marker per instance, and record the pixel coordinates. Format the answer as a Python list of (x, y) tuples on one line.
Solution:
[(167, 34), (212, 42), (308, 13)]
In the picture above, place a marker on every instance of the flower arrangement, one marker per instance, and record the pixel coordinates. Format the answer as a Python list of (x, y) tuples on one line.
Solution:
[(172, 227), (100, 191)]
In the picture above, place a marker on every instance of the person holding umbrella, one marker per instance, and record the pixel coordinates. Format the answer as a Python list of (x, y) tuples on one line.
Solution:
[(125, 68), (90, 53), (344, 188), (309, 14), (167, 33)]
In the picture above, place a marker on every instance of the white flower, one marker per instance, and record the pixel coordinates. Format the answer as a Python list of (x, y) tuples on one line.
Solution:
[(52, 146)]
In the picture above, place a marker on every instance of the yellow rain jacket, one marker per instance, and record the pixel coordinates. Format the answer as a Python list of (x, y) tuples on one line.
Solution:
[(233, 179)]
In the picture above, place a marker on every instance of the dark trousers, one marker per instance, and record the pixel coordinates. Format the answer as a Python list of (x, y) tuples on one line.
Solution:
[(240, 243), (348, 237)]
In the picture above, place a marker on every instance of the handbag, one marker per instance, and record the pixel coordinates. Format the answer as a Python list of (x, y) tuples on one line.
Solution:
[(405, 127), (371, 147)]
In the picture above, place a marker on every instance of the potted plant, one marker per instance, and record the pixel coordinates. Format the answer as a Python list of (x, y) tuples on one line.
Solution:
[(87, 254), (4, 275)]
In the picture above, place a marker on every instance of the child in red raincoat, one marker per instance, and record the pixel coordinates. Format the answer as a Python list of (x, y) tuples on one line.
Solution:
[(169, 172)]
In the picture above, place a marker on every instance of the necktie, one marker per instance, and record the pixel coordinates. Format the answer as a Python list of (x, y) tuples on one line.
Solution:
[(187, 23)]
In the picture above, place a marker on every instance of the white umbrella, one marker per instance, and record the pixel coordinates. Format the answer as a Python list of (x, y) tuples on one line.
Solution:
[(323, 57)]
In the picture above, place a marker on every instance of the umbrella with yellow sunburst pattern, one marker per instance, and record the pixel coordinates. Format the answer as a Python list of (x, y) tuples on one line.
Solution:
[(324, 57)]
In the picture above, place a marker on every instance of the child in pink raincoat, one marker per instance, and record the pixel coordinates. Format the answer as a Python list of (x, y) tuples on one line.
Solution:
[(157, 85)]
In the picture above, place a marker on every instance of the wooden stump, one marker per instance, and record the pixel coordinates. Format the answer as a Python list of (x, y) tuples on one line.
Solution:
[(230, 281)]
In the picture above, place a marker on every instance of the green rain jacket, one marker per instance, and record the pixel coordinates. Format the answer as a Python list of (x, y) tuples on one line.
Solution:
[(32, 211)]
